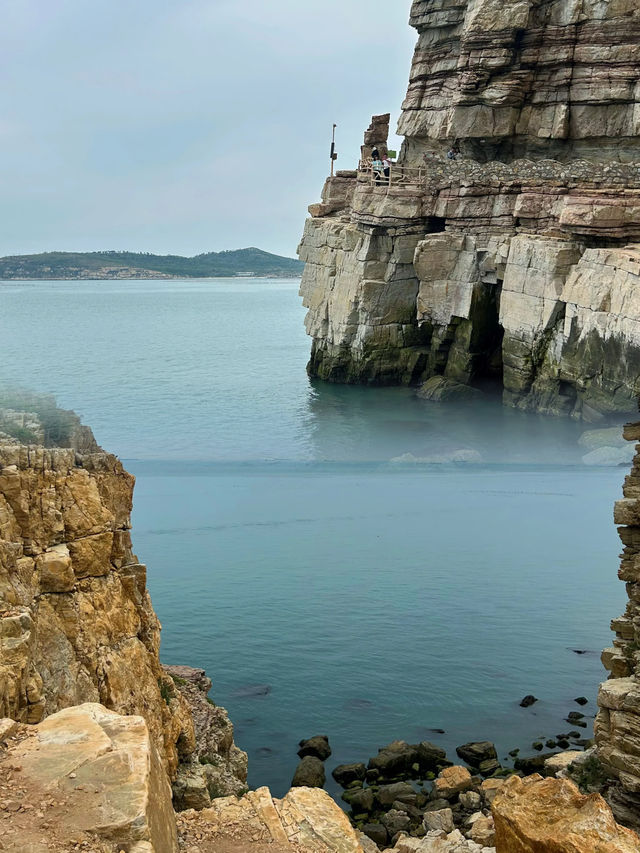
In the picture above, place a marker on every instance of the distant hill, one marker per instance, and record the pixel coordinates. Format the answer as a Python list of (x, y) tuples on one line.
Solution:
[(122, 265)]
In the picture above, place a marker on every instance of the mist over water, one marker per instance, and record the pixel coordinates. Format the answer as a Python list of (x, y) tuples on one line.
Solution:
[(291, 544)]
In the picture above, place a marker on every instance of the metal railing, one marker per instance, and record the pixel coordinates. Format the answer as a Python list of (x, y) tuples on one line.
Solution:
[(398, 175)]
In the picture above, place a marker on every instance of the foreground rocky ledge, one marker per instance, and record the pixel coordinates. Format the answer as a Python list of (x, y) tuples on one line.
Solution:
[(89, 779)]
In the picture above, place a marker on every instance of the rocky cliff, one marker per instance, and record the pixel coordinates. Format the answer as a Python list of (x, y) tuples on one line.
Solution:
[(76, 620), (515, 264), (617, 727)]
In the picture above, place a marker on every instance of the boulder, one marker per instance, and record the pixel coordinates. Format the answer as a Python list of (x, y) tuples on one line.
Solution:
[(395, 821), (309, 773), (559, 763), (386, 795), (476, 752), (490, 788), (470, 800), (488, 767), (442, 820), (103, 782), (452, 781), (360, 799), (191, 788), (483, 831), (345, 774), (317, 746), (437, 805), (430, 756), (536, 815), (396, 759), (376, 832)]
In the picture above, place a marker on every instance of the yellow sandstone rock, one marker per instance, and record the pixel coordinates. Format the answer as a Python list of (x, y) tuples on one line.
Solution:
[(536, 815), (88, 773)]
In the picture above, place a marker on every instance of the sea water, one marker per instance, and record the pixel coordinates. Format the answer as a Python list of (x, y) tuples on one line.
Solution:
[(327, 582)]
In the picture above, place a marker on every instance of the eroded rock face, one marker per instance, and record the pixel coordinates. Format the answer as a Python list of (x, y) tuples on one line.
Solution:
[(617, 726), (216, 767), (86, 774), (76, 621), (524, 272), (550, 78), (536, 815)]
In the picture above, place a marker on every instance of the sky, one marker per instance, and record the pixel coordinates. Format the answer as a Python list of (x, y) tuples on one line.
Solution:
[(185, 126)]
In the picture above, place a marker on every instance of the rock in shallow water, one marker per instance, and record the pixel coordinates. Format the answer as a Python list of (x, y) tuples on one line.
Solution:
[(344, 774), (318, 746), (439, 389), (309, 773), (609, 456), (475, 752)]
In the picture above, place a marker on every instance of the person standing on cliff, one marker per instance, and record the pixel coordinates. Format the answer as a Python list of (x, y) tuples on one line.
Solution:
[(386, 165), (376, 166)]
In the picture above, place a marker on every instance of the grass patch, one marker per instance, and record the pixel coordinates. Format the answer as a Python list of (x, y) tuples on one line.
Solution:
[(165, 691), (590, 775)]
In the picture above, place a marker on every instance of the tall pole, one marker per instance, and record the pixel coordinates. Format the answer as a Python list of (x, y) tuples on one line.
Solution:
[(333, 148)]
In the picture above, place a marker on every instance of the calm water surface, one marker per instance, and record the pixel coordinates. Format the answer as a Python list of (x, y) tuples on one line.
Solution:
[(376, 600)]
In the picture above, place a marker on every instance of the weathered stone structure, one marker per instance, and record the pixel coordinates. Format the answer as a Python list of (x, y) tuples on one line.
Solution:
[(516, 264)]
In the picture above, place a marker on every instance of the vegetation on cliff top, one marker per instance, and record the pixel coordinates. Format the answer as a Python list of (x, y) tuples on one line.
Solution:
[(112, 264)]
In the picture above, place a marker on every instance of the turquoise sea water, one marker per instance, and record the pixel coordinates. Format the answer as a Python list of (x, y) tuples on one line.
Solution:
[(375, 599)]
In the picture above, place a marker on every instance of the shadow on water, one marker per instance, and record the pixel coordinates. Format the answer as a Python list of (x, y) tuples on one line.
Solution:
[(354, 423)]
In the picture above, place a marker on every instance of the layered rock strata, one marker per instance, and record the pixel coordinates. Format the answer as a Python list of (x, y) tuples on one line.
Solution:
[(517, 264), (76, 621), (617, 728)]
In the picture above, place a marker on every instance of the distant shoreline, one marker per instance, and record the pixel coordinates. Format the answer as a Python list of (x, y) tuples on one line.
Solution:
[(133, 266), (154, 277)]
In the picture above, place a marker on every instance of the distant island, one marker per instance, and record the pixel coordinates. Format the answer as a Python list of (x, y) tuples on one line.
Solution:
[(246, 263)]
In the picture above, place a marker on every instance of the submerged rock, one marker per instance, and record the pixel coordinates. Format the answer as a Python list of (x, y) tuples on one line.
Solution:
[(592, 439), (609, 456), (440, 390)]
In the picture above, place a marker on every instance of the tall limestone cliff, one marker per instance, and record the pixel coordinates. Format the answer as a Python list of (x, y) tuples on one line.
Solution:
[(518, 263), (76, 621)]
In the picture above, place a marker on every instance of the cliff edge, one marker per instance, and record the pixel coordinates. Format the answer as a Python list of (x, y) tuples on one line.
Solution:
[(517, 264), (76, 620)]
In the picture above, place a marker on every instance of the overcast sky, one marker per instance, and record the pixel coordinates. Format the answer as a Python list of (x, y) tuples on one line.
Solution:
[(185, 126)]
